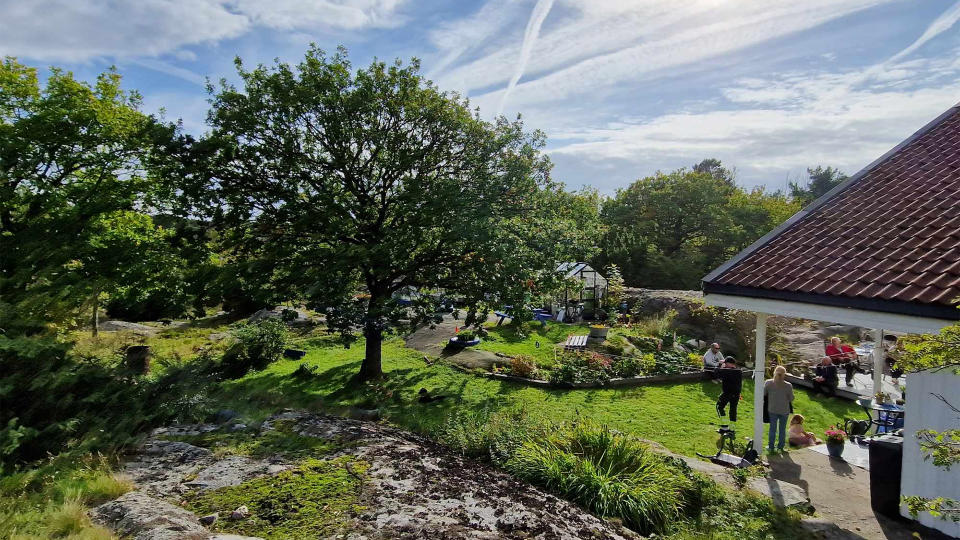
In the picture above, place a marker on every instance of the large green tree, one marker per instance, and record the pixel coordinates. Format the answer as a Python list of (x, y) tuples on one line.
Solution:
[(347, 186), (70, 154), (668, 230)]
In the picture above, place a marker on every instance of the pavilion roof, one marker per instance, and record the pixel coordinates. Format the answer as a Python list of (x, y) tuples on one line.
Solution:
[(887, 239)]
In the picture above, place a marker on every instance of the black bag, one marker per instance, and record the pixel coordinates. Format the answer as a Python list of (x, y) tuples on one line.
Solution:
[(856, 428)]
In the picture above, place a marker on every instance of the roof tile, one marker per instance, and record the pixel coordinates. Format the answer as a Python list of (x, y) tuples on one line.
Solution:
[(893, 233)]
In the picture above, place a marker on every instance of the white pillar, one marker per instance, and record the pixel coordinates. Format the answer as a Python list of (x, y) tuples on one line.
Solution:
[(878, 361), (759, 374)]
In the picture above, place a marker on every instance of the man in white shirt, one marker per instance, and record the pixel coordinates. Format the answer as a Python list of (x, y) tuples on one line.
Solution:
[(713, 358)]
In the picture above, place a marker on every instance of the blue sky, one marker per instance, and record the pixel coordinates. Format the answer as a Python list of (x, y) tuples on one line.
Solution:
[(621, 88)]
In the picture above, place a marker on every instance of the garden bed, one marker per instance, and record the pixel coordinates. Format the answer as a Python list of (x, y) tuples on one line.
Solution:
[(615, 382)]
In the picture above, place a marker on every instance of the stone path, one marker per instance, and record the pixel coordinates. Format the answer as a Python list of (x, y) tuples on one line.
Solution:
[(840, 493), (432, 341)]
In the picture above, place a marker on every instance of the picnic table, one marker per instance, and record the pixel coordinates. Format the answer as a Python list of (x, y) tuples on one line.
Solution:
[(575, 343)]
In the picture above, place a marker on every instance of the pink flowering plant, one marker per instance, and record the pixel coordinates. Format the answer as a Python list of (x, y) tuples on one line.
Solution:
[(836, 435)]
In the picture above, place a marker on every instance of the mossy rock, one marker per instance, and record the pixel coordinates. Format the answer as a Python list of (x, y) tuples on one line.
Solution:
[(318, 499)]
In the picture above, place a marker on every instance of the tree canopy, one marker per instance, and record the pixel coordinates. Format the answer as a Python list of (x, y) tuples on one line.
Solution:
[(71, 155), (350, 185), (821, 180), (670, 229)]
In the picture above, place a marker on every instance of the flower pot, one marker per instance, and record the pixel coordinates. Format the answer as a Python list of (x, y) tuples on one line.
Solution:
[(835, 449), (599, 333)]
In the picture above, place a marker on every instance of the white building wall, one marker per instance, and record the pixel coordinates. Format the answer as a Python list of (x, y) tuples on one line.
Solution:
[(925, 411)]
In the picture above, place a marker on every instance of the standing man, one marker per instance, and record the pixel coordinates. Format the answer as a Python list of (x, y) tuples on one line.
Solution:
[(731, 380), (713, 357), (843, 355)]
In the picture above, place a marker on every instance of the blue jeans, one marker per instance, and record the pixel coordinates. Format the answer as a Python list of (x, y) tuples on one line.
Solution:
[(778, 424)]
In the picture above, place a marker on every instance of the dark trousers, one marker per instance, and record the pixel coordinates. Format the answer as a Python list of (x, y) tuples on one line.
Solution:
[(827, 388), (851, 368), (728, 399)]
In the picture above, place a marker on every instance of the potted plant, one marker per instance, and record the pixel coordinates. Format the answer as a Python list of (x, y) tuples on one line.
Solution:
[(465, 338), (881, 397), (835, 440), (599, 331)]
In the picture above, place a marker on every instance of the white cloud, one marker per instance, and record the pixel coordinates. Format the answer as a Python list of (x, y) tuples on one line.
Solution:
[(940, 25), (79, 30), (299, 14), (596, 44), (770, 127), (83, 29)]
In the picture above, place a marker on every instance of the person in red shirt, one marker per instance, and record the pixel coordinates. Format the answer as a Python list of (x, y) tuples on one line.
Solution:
[(844, 356)]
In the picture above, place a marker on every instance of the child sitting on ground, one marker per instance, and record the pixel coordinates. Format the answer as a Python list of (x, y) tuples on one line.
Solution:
[(799, 437)]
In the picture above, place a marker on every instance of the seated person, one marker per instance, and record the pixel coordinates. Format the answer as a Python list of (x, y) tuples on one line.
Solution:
[(825, 378), (799, 437), (843, 355), (713, 358)]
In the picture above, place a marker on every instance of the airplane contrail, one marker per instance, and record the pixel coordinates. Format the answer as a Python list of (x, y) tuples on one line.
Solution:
[(530, 35), (937, 27)]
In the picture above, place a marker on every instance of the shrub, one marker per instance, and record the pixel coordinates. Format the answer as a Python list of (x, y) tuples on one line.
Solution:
[(581, 367), (257, 345), (523, 366), (609, 473), (484, 435), (633, 366), (645, 343)]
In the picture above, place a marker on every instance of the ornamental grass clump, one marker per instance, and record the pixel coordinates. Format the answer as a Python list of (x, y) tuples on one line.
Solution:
[(607, 472)]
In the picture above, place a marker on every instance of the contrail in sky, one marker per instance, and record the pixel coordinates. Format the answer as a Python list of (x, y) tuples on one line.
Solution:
[(530, 35), (939, 26)]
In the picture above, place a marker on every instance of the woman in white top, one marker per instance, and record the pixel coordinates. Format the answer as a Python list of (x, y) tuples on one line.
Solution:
[(779, 394)]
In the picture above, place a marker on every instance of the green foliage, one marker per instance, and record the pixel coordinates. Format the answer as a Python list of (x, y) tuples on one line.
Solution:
[(942, 446), (610, 474), (821, 181), (485, 434), (51, 501), (523, 366), (75, 163), (257, 345), (669, 230), (349, 185), (582, 367), (314, 500), (940, 507), (53, 400)]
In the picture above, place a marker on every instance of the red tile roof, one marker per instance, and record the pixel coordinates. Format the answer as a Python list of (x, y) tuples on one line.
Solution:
[(888, 239)]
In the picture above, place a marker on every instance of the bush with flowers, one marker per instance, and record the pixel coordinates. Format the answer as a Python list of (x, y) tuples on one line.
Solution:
[(835, 435)]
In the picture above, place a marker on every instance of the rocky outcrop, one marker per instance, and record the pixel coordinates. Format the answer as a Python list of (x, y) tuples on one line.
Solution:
[(142, 517), (413, 488)]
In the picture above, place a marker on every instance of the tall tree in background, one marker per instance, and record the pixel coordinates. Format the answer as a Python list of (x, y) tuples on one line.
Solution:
[(70, 154), (668, 230), (821, 181), (353, 185)]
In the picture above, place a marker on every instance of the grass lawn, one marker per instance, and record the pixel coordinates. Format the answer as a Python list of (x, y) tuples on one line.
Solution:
[(513, 341), (679, 416)]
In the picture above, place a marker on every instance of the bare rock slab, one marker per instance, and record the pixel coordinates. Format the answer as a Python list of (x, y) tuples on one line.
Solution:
[(142, 517)]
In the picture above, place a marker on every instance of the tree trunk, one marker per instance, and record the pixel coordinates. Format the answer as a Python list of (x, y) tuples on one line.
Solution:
[(96, 314), (372, 366)]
